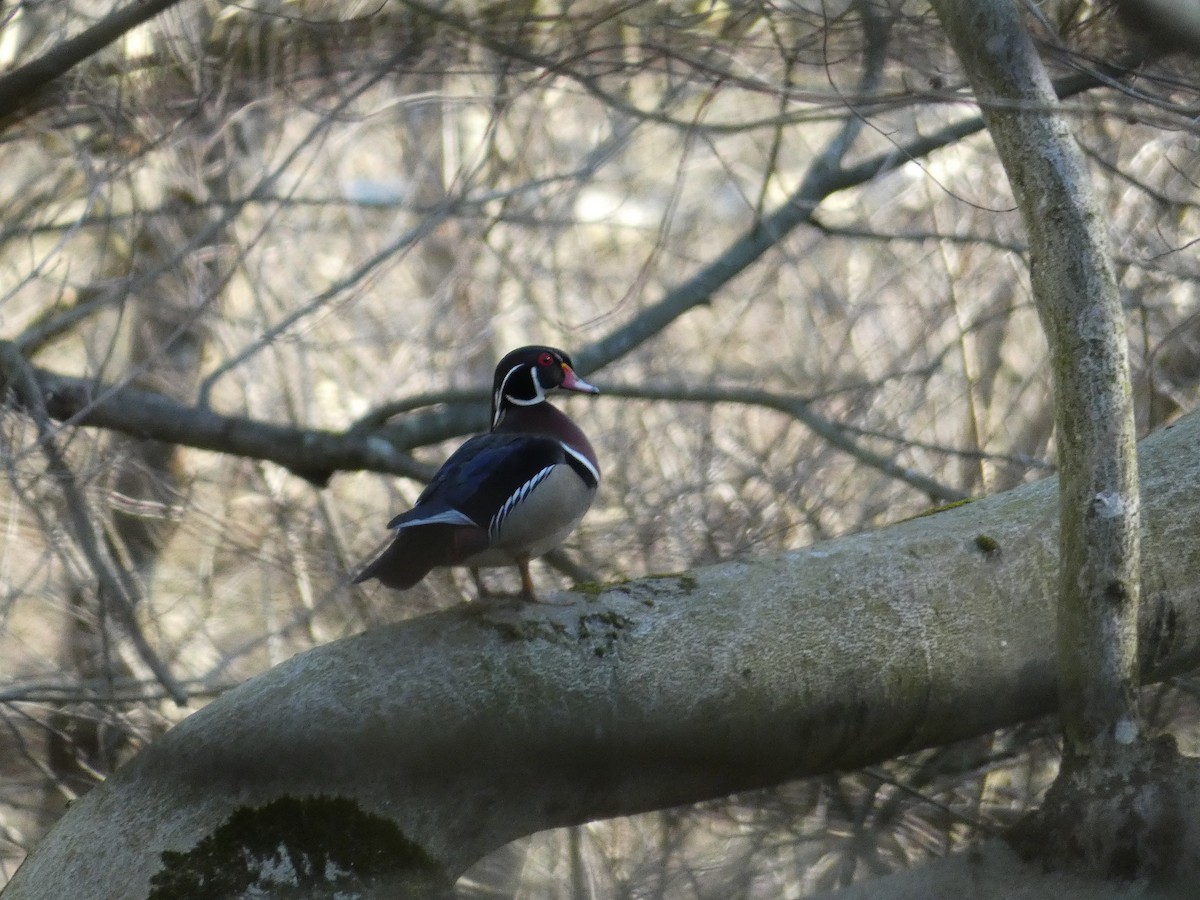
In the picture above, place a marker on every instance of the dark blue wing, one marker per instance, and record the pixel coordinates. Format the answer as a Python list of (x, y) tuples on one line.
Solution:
[(481, 475)]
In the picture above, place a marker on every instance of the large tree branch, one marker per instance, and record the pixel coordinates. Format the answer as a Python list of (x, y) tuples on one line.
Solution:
[(467, 728)]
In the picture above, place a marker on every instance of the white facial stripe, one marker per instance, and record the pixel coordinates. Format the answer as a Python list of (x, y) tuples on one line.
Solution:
[(587, 463), (500, 393), (541, 395), (538, 398)]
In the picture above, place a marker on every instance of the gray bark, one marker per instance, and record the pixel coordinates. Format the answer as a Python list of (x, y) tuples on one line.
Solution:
[(470, 727), (1077, 301)]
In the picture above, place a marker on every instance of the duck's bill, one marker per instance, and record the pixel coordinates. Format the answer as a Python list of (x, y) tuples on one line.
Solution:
[(572, 382)]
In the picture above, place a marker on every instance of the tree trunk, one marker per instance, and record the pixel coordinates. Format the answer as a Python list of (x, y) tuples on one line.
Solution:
[(1076, 297), (1119, 803)]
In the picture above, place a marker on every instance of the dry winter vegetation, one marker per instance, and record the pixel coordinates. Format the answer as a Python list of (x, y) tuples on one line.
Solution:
[(774, 235)]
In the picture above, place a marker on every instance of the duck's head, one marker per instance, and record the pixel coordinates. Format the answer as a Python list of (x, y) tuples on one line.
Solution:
[(526, 375)]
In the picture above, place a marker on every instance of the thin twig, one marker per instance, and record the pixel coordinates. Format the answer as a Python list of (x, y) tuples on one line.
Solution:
[(117, 692), (799, 409), (114, 584)]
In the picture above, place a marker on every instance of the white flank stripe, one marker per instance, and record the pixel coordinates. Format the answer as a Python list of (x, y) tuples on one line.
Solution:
[(449, 517), (512, 502)]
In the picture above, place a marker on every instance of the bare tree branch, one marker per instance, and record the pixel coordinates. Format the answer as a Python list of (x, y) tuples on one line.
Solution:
[(116, 585), (370, 445), (21, 86), (825, 177), (311, 454), (800, 409)]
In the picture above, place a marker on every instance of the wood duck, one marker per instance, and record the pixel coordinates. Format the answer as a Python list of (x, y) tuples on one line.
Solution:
[(503, 497)]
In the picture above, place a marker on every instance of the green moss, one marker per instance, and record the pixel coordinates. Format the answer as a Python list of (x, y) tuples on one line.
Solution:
[(602, 631), (684, 582), (599, 630), (593, 589), (938, 509), (300, 846), (986, 544), (527, 629)]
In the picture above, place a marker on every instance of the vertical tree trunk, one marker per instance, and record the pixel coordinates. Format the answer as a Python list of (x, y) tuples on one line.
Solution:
[(1108, 812), (1077, 301)]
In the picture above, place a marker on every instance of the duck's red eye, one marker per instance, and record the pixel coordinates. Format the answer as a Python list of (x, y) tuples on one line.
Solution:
[(545, 360)]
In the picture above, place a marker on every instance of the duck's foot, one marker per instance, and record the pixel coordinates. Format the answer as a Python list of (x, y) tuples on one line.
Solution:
[(558, 598)]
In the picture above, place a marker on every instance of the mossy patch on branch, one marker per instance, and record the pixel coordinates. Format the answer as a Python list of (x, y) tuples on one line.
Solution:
[(312, 846), (602, 631), (933, 511), (986, 544), (643, 588), (683, 582), (528, 629)]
